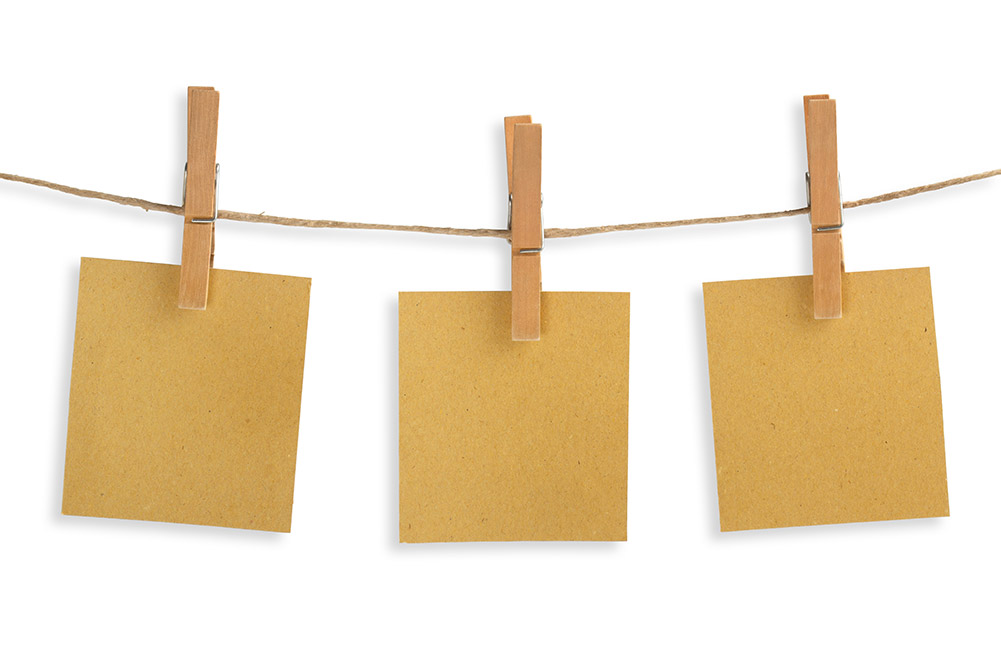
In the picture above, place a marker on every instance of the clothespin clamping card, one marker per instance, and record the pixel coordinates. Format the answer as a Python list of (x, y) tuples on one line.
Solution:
[(200, 205), (524, 173), (824, 198)]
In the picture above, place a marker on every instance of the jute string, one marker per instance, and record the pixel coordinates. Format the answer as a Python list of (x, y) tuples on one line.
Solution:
[(550, 233)]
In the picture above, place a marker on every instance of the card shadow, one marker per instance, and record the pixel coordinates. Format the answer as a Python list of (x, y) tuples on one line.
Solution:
[(61, 407), (705, 443), (393, 412)]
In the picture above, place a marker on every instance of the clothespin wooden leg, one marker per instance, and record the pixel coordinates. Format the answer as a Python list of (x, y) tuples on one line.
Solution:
[(198, 248), (524, 141), (825, 204)]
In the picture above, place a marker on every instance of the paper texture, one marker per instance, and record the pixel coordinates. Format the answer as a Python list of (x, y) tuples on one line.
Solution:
[(185, 416), (513, 441), (825, 421)]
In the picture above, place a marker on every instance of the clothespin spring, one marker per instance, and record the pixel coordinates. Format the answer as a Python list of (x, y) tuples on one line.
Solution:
[(542, 217), (215, 214), (826, 228)]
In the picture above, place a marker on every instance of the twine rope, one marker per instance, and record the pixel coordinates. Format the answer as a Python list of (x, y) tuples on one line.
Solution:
[(550, 233)]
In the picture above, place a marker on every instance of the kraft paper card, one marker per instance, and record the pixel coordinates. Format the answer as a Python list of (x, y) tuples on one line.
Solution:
[(513, 441), (185, 416), (825, 421)]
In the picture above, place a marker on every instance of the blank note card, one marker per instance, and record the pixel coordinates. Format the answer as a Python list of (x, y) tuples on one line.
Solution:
[(185, 416), (825, 421), (513, 441)]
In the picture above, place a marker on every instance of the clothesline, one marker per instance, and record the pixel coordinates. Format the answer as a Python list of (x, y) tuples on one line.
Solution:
[(550, 233)]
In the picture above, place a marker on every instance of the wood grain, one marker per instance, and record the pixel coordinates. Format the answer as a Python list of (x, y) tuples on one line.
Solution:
[(825, 204), (509, 123), (198, 246), (526, 232)]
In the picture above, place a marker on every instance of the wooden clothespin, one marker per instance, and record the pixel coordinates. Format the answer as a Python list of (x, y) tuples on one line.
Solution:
[(200, 206), (824, 189), (524, 181)]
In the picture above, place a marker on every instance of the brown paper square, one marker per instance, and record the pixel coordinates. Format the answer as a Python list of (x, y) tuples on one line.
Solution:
[(513, 441), (185, 416), (825, 421)]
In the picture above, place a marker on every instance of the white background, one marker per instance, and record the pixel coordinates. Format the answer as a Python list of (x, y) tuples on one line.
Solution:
[(393, 113)]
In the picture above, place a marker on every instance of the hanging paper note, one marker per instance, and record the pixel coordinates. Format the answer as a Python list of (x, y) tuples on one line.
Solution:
[(825, 421), (185, 416), (503, 440)]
